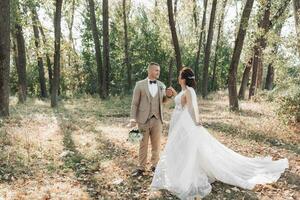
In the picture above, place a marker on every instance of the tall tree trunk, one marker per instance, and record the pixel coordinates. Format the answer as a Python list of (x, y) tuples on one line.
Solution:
[(202, 33), (238, 46), (19, 50), (297, 21), (48, 60), (4, 57), (208, 49), (174, 35), (245, 79), (195, 16), (70, 23), (270, 77), (260, 44), (106, 62), (21, 63), (57, 32), (42, 79), (126, 48), (271, 71), (175, 9), (170, 74), (221, 20), (96, 46)]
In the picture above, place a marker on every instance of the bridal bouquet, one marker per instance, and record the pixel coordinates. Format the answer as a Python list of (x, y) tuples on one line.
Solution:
[(135, 136)]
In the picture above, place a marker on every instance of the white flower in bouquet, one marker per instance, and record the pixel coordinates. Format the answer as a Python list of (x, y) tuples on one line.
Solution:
[(135, 136)]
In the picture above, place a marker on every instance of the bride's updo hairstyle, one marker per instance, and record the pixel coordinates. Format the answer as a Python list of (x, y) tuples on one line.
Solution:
[(189, 76)]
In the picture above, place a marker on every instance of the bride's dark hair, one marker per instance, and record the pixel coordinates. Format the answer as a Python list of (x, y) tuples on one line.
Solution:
[(189, 76)]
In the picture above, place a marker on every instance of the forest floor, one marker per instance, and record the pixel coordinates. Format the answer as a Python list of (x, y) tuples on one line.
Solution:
[(79, 150)]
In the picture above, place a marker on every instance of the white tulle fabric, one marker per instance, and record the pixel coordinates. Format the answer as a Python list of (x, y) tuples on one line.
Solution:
[(192, 159)]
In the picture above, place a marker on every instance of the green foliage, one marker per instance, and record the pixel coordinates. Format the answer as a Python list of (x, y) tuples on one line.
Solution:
[(288, 95)]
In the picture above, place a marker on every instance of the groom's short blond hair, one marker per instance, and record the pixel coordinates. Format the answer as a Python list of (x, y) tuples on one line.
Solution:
[(152, 64)]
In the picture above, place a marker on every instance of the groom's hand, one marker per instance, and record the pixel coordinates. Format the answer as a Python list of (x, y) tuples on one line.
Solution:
[(170, 92), (132, 123)]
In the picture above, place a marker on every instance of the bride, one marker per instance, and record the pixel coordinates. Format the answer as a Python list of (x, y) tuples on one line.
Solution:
[(193, 158)]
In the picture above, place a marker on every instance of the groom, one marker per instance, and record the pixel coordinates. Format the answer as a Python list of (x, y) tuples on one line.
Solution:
[(146, 111)]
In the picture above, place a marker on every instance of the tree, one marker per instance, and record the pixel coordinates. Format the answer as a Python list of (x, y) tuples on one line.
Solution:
[(106, 62), (208, 49), (174, 35), (42, 79), (245, 79), (20, 52), (238, 46), (195, 15), (219, 34), (48, 60), (271, 71), (296, 4), (202, 34), (265, 24), (126, 48), (4, 56), (259, 45), (56, 68), (70, 23), (98, 55)]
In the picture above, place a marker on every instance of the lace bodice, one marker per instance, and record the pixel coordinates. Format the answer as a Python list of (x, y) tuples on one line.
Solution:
[(177, 100), (191, 108)]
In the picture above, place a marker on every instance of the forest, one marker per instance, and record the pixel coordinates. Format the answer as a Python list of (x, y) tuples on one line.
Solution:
[(68, 70)]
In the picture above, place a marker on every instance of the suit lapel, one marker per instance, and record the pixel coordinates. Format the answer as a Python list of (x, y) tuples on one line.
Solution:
[(159, 91), (147, 88)]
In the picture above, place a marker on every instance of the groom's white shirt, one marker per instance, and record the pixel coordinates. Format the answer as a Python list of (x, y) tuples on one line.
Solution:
[(153, 88)]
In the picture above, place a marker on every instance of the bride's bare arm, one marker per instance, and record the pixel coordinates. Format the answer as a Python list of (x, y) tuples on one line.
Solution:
[(187, 99)]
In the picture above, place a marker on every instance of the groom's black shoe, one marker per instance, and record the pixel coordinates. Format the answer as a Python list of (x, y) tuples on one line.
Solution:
[(153, 168), (138, 172)]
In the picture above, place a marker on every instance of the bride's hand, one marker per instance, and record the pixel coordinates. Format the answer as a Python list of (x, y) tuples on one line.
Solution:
[(171, 92)]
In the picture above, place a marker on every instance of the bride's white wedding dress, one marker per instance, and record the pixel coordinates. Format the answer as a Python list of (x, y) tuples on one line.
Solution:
[(193, 159)]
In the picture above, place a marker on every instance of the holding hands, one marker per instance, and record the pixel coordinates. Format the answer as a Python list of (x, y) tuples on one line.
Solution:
[(170, 92)]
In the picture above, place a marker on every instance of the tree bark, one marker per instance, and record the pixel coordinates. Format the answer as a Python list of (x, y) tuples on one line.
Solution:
[(97, 47), (20, 62), (296, 4), (126, 48), (270, 77), (238, 46), (42, 79), (260, 44), (57, 32), (208, 49), (202, 33), (106, 61), (214, 80), (245, 79), (195, 16), (170, 74), (175, 9), (48, 60), (4, 57), (271, 71), (174, 35), (70, 23)]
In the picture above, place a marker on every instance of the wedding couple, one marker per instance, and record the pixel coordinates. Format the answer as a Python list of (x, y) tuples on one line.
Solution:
[(192, 158)]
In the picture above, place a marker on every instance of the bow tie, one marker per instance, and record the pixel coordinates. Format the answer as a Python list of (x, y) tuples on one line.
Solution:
[(154, 82)]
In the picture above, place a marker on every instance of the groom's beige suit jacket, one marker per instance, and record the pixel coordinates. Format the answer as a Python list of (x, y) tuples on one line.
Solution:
[(140, 106)]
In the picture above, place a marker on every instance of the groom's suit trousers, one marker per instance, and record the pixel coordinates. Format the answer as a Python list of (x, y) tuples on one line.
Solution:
[(152, 130)]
